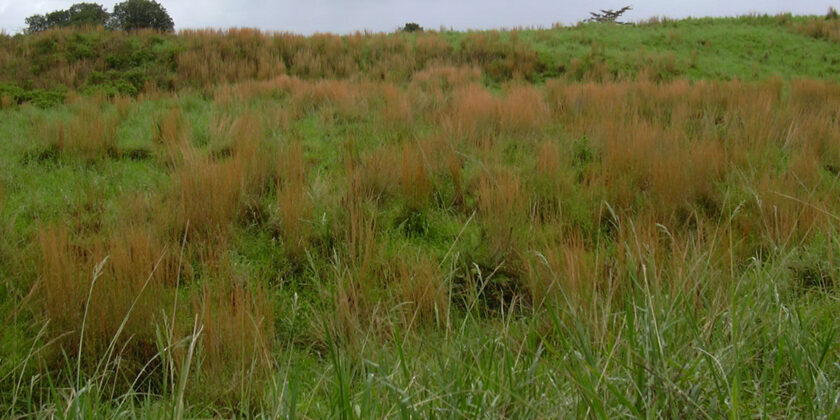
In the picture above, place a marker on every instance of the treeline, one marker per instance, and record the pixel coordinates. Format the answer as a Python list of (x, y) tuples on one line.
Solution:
[(128, 15)]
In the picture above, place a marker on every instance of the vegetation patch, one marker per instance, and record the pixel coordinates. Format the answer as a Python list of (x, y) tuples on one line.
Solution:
[(597, 221)]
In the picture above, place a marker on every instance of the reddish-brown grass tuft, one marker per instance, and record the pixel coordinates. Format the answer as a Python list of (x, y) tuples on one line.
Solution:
[(414, 180), (237, 338), (420, 287), (90, 134), (171, 135), (502, 208), (523, 111), (294, 205)]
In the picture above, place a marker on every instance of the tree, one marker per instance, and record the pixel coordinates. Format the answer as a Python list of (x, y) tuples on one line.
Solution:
[(87, 14), (79, 14), (412, 27), (608, 16), (140, 14), (58, 19), (36, 23)]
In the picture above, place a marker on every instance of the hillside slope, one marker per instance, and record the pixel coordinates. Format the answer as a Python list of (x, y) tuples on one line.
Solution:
[(746, 48)]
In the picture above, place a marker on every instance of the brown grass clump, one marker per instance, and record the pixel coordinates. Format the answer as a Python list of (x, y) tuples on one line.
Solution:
[(553, 179), (454, 167), (414, 180), (138, 269), (548, 159), (445, 78), (236, 340), (125, 279), (502, 205), (421, 288), (338, 99), (229, 56), (472, 116), (640, 161), (171, 135), (294, 205), (253, 156), (375, 172), (63, 286), (88, 135), (396, 108), (356, 270), (123, 105), (828, 29), (211, 192), (6, 101), (358, 228), (561, 274), (431, 48), (523, 111), (501, 59)]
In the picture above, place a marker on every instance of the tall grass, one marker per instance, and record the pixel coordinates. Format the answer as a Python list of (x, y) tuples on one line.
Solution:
[(421, 243), (212, 192), (90, 134), (171, 135), (294, 205)]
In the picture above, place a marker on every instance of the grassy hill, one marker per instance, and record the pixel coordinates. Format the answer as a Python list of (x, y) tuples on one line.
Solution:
[(595, 221), (746, 48)]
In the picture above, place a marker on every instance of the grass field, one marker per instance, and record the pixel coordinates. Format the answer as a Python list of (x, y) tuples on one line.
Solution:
[(593, 221)]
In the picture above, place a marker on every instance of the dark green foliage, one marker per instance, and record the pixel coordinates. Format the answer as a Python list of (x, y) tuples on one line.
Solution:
[(79, 14), (113, 82), (141, 14), (42, 98), (411, 27), (87, 14), (12, 91), (36, 23), (46, 98)]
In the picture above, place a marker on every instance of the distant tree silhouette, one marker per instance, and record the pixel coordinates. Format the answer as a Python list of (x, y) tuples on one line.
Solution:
[(79, 14), (608, 15), (411, 27)]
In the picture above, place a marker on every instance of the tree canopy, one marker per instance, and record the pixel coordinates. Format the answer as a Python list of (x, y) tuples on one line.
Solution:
[(79, 14), (128, 15), (412, 27), (140, 14)]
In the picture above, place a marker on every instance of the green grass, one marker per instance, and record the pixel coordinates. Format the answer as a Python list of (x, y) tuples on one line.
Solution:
[(718, 49)]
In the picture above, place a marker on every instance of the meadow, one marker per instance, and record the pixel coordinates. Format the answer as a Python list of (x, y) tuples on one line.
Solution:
[(595, 221)]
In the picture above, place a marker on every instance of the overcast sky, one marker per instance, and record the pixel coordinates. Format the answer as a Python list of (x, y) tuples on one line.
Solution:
[(343, 16)]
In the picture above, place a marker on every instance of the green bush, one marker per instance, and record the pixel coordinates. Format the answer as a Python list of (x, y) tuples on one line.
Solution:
[(42, 98)]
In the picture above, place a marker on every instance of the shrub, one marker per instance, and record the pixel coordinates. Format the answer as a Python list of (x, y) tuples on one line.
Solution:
[(411, 27)]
